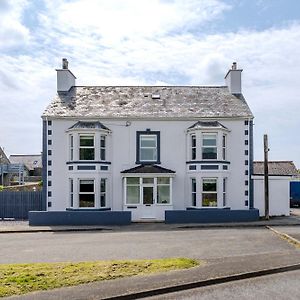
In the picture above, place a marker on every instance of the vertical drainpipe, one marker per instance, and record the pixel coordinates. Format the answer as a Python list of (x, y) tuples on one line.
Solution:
[(251, 187), (45, 166)]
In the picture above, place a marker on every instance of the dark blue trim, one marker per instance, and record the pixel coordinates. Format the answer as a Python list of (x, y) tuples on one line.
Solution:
[(147, 132), (251, 184), (210, 216), (45, 167), (210, 167), (208, 162), (86, 167), (52, 218), (88, 162)]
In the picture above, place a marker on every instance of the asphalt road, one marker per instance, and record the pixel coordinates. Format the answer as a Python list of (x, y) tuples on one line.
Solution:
[(88, 246), (276, 287)]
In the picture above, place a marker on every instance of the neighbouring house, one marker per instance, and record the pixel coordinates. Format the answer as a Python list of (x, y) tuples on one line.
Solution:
[(4, 163), (32, 165), (280, 175), (173, 153)]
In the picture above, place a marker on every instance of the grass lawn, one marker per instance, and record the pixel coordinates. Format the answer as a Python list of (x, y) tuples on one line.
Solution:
[(17, 279)]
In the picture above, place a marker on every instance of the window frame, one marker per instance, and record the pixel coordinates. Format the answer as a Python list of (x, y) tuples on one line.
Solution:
[(86, 193), (194, 192), (193, 146), (86, 147), (71, 190), (71, 141), (103, 137), (224, 146), (209, 192), (209, 146), (139, 134), (103, 192)]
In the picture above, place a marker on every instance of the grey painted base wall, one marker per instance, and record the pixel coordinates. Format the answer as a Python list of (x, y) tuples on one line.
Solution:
[(210, 216), (52, 218)]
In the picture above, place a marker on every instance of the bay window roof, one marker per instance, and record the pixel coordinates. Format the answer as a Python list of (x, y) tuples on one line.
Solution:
[(149, 169), (208, 125), (88, 125)]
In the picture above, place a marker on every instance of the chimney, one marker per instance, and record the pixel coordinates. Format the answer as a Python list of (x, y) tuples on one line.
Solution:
[(233, 79), (65, 78)]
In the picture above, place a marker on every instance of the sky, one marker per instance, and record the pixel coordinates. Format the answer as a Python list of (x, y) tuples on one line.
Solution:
[(151, 42)]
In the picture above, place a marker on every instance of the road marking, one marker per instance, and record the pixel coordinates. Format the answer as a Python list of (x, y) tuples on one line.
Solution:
[(286, 237)]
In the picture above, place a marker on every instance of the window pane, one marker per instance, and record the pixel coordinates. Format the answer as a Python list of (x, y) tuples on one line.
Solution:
[(193, 153), (148, 195), (86, 186), (86, 200), (163, 194), (87, 141), (71, 141), (193, 185), (148, 154), (103, 185), (102, 154), (194, 199), (133, 194), (193, 141), (103, 200), (148, 141), (133, 180), (209, 153), (102, 142), (209, 199), (209, 140), (87, 154), (163, 180), (224, 141), (209, 185), (148, 180)]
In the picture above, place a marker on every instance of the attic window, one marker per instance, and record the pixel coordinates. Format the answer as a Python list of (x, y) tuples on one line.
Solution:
[(155, 96)]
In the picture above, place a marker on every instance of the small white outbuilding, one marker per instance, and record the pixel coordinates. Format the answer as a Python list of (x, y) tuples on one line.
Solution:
[(280, 175)]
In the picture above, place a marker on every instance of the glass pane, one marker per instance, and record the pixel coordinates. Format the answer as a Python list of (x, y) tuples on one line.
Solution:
[(163, 180), (71, 185), (194, 199), (193, 153), (86, 154), (103, 185), (133, 194), (193, 141), (193, 185), (209, 140), (163, 194), (86, 140), (148, 195), (71, 141), (209, 199), (148, 180), (102, 200), (209, 185), (86, 186), (102, 153), (133, 180), (209, 153), (224, 141), (102, 142), (86, 200), (148, 154), (148, 141)]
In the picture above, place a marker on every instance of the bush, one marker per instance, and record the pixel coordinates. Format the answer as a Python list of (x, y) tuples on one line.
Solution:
[(1, 188)]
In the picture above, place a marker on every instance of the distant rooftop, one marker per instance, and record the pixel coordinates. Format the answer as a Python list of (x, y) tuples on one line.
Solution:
[(30, 161), (277, 168), (139, 102)]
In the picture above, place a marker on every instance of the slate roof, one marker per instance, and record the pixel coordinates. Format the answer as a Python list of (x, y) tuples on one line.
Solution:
[(277, 168), (30, 161), (88, 125), (148, 102), (201, 124), (148, 169)]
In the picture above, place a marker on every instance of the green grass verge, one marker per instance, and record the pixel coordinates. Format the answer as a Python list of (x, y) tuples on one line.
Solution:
[(17, 279)]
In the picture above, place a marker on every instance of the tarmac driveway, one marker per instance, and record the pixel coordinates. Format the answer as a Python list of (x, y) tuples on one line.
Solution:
[(99, 245)]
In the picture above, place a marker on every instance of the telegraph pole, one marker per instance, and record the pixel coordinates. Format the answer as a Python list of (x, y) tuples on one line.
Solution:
[(266, 176)]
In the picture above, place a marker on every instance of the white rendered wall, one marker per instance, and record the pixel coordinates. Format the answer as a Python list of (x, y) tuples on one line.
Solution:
[(173, 155), (279, 195)]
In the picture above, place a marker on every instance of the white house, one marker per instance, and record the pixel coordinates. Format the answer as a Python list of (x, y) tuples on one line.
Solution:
[(149, 149)]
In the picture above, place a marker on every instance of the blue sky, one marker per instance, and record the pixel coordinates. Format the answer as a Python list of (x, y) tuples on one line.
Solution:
[(140, 42)]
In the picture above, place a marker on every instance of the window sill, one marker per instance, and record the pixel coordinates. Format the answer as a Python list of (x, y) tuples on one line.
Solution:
[(88, 209)]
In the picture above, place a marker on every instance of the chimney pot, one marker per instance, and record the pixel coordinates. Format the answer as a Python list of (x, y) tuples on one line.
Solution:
[(65, 63), (234, 66)]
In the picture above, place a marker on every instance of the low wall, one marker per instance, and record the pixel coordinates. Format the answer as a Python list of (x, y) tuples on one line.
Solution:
[(52, 218), (210, 216)]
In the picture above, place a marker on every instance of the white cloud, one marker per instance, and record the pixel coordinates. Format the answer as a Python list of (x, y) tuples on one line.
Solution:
[(12, 32), (152, 42)]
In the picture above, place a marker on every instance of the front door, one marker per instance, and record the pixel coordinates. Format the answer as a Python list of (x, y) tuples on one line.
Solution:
[(148, 201)]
